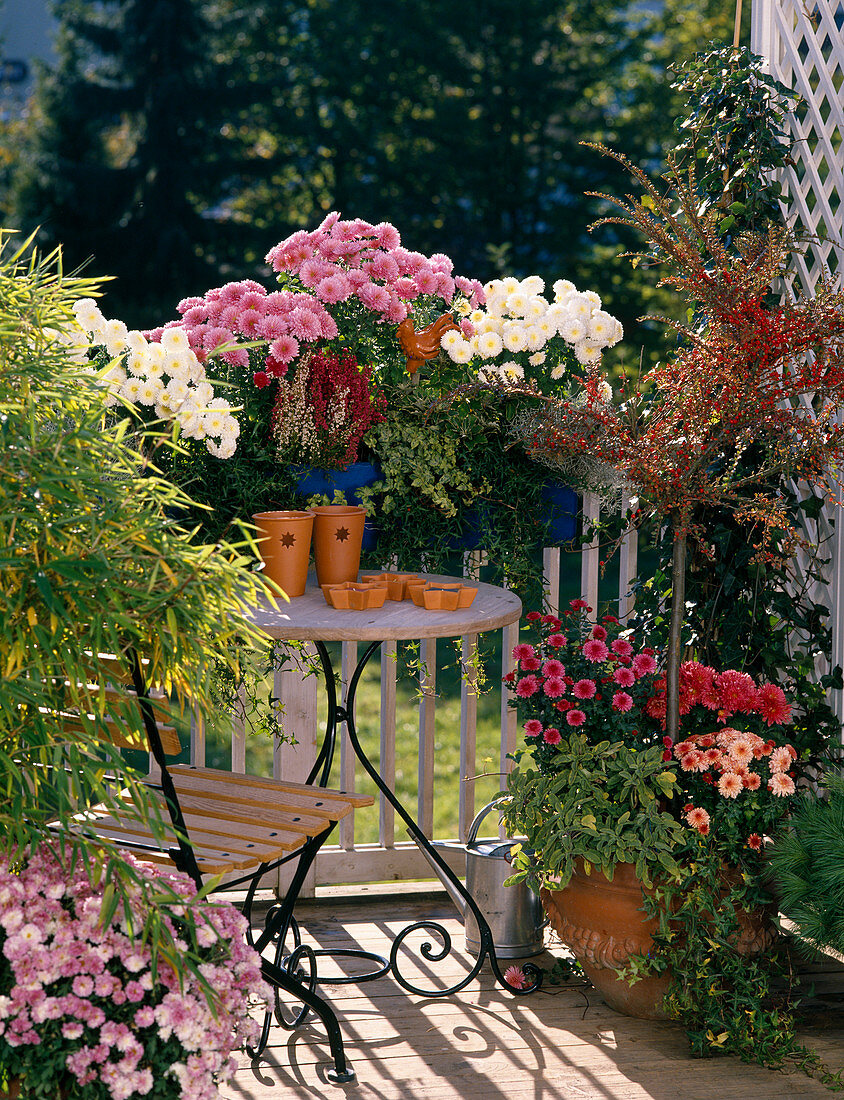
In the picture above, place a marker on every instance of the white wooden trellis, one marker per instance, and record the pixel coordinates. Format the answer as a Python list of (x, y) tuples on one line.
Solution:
[(802, 42)]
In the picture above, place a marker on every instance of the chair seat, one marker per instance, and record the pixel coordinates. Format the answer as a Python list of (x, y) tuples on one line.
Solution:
[(236, 822)]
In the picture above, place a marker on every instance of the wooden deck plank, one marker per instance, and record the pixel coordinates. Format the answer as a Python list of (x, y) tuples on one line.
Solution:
[(485, 1044)]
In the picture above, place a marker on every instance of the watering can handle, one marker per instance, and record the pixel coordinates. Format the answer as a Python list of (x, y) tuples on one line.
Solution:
[(476, 824)]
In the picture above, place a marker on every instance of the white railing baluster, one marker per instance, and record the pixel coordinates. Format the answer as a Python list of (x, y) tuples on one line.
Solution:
[(468, 733), (628, 558), (346, 828), (427, 734), (551, 573), (239, 733), (589, 566)]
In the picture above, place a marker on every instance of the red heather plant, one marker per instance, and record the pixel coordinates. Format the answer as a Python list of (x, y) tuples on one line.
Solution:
[(323, 412), (748, 396)]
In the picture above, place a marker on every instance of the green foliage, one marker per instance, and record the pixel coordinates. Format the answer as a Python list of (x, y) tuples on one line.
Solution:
[(733, 135), (807, 863), (91, 563), (603, 805)]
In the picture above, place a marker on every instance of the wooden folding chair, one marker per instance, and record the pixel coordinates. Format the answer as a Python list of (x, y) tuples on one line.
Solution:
[(229, 824)]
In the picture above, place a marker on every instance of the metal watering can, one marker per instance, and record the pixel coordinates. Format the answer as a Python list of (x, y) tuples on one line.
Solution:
[(514, 913)]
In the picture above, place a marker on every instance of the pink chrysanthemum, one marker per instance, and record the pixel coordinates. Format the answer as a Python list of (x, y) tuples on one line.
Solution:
[(523, 650), (600, 633), (533, 727), (334, 288), (515, 977), (698, 819), (553, 667), (780, 760), (527, 686), (426, 280), (772, 705), (622, 702), (730, 785), (624, 677), (741, 751), (752, 782), (556, 640), (781, 785), (595, 651), (552, 736), (584, 689), (554, 687), (530, 664), (575, 717), (285, 348), (621, 647), (643, 664)]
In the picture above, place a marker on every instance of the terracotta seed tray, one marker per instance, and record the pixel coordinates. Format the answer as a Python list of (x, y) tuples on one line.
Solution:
[(355, 595), (442, 597), (397, 583)]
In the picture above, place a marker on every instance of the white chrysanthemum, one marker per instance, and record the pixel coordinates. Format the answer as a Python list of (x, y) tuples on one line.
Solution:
[(476, 316), (546, 326), (593, 298), (537, 359), (536, 339), (558, 372), (462, 306), (533, 284), (496, 305), (190, 418), (510, 285), (156, 353), (489, 324), (537, 307), (514, 338), (512, 372), (579, 305), (152, 363), (203, 393), (113, 379), (219, 404), (88, 315), (618, 333), (231, 430), (77, 347), (489, 345), (574, 328), (180, 364), (563, 289), (450, 338), (587, 352), (556, 314), (517, 303), (131, 388), (460, 351), (493, 287), (136, 341), (213, 421), (176, 390), (224, 449), (601, 327), (150, 391), (175, 339), (114, 335), (162, 407)]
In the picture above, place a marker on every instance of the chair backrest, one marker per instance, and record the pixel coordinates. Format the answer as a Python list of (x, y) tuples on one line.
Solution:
[(108, 717)]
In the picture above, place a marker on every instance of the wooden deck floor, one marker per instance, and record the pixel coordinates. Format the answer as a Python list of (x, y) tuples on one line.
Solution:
[(483, 1044)]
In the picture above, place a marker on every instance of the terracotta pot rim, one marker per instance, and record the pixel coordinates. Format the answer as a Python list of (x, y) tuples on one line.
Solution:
[(337, 509), (283, 514)]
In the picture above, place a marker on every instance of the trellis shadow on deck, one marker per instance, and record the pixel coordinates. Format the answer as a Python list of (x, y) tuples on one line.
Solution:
[(560, 1044)]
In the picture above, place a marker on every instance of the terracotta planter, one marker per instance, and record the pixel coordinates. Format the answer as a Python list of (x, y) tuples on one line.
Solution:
[(338, 532), (13, 1091), (603, 924), (284, 541)]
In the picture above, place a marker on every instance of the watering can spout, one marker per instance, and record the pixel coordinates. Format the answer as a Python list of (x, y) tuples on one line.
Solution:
[(450, 888)]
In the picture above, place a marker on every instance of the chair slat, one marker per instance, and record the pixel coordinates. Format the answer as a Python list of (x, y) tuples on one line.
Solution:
[(253, 788)]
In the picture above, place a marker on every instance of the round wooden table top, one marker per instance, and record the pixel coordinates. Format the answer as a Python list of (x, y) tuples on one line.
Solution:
[(308, 618)]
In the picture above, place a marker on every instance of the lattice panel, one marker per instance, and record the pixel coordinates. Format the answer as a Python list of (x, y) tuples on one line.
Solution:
[(803, 43)]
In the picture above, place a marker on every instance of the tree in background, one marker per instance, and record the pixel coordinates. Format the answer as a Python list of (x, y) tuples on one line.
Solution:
[(129, 158), (177, 140)]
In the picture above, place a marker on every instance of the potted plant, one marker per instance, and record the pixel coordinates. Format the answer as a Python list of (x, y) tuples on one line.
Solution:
[(614, 811)]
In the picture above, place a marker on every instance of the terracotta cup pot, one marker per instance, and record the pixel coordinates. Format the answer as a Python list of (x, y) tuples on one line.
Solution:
[(284, 541), (338, 533)]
